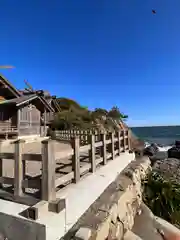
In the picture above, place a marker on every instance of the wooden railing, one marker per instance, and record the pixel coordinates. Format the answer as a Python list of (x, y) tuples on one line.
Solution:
[(7, 128), (67, 135), (98, 153)]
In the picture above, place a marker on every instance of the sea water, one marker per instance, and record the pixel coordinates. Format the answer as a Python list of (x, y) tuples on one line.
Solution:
[(163, 135)]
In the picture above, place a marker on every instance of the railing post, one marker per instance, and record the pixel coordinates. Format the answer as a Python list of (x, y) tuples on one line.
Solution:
[(112, 145), (92, 155), (86, 139), (104, 154), (76, 158), (48, 171), (124, 140), (1, 169), (18, 167), (1, 164), (119, 143), (129, 140)]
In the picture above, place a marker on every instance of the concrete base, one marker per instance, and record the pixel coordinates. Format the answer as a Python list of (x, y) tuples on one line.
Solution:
[(13, 226), (78, 198)]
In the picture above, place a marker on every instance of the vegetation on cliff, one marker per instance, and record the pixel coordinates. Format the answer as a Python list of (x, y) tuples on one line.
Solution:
[(162, 195), (73, 115)]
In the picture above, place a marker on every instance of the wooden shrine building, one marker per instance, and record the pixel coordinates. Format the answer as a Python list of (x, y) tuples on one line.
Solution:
[(24, 113)]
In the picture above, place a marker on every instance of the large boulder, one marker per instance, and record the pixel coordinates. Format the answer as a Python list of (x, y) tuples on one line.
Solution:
[(174, 152), (151, 150), (169, 167), (177, 144)]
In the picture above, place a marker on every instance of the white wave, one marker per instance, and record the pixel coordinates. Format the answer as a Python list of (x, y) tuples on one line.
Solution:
[(164, 149), (147, 144), (161, 149)]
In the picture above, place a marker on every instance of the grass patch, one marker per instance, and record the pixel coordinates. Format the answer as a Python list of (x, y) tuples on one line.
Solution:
[(162, 196)]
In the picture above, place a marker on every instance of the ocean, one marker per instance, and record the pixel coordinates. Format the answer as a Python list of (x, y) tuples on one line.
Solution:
[(164, 135)]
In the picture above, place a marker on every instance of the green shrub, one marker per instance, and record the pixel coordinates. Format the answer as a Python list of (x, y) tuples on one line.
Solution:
[(162, 196), (73, 115)]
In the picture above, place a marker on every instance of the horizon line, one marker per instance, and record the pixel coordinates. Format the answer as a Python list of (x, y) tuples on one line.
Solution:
[(173, 125)]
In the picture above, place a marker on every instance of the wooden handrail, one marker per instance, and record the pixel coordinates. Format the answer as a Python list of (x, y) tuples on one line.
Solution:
[(108, 149)]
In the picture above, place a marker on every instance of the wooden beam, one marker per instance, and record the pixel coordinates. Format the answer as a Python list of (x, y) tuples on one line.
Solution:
[(112, 146), (129, 140), (48, 171), (45, 120), (76, 158), (119, 143), (18, 167), (1, 169), (104, 155), (92, 155), (18, 120), (124, 140)]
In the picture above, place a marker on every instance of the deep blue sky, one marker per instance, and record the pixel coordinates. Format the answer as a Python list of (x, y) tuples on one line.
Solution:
[(98, 52)]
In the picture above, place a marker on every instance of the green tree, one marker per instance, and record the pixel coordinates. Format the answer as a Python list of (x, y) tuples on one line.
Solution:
[(99, 113), (73, 115), (116, 114)]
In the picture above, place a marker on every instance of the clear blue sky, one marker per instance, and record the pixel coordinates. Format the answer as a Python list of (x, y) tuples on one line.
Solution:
[(98, 52)]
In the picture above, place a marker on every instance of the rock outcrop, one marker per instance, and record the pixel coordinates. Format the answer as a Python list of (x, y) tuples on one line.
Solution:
[(169, 167), (151, 150)]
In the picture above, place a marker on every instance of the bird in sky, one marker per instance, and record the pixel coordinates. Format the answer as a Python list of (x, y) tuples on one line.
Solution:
[(153, 11)]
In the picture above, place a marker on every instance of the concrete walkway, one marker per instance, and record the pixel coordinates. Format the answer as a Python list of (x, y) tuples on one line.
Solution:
[(78, 198)]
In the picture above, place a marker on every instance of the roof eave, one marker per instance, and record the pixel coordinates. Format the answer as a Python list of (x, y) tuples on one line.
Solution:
[(27, 100), (11, 87)]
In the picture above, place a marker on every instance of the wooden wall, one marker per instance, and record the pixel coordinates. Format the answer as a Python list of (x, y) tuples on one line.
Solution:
[(29, 120), (8, 118)]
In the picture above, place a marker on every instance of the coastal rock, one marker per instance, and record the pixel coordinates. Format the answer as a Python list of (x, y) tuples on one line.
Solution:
[(170, 168), (151, 150), (174, 152), (177, 144)]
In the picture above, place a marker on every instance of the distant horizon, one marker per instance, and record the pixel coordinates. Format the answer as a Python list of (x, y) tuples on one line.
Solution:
[(154, 126)]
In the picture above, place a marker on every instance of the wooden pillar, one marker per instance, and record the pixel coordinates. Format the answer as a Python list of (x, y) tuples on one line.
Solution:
[(18, 120), (45, 120), (18, 167), (92, 156), (124, 140), (1, 169), (104, 155), (76, 158), (1, 164), (48, 171), (129, 140), (119, 143), (112, 145)]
